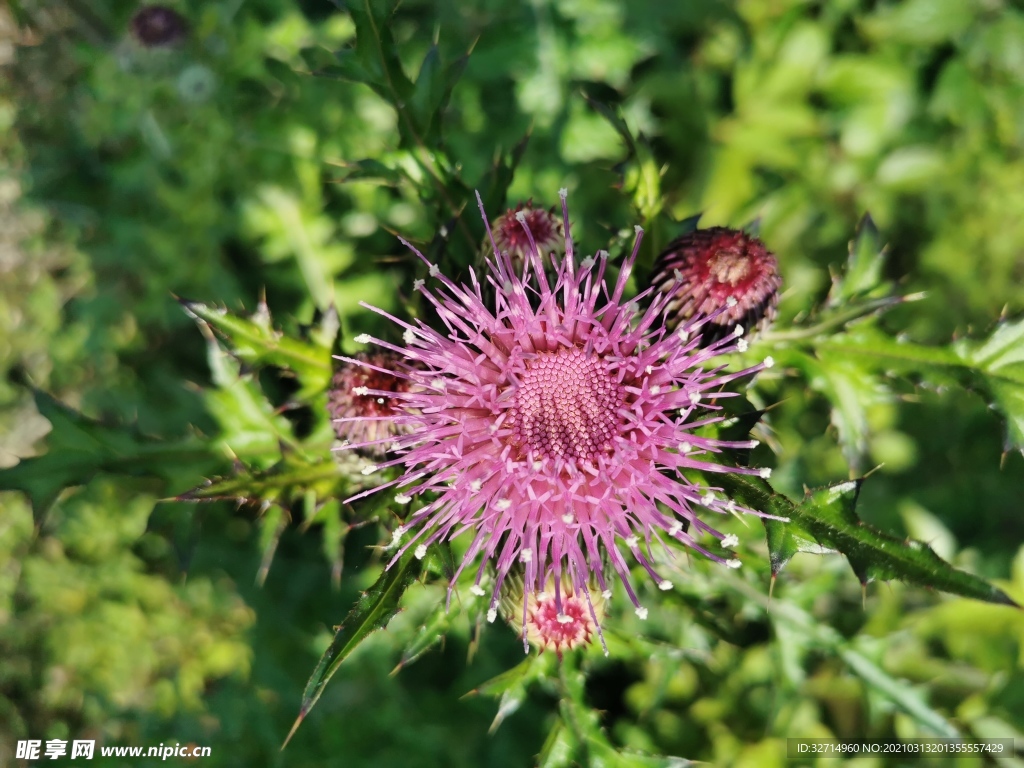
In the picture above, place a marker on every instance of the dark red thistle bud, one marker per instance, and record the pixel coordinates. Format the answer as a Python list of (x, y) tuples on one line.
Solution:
[(510, 236), (709, 268), (156, 26), (363, 415)]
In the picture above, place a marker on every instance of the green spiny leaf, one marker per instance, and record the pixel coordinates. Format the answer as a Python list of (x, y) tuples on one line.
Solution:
[(79, 448), (287, 480), (999, 361), (641, 174), (429, 635), (828, 517), (375, 608), (994, 366), (255, 342), (862, 275), (272, 524)]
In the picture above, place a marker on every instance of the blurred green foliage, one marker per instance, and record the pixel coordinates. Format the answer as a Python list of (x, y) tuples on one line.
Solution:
[(264, 163)]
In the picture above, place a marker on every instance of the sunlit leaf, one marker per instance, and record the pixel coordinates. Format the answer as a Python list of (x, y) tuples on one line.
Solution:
[(255, 341)]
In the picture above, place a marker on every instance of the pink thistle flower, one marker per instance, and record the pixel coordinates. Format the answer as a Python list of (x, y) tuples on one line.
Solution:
[(557, 425), (358, 416)]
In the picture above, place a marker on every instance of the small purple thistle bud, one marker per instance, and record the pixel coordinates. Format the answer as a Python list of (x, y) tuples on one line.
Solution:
[(157, 26), (510, 234), (362, 401), (714, 268)]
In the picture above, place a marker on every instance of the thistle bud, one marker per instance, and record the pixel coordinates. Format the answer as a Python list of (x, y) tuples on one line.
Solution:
[(544, 224), (556, 619), (156, 26), (361, 405), (706, 269)]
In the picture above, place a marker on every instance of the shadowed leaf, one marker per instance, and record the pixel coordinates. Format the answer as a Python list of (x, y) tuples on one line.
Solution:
[(373, 611), (79, 448), (827, 519)]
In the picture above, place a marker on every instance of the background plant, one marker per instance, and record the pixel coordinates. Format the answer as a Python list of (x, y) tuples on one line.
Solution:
[(223, 171)]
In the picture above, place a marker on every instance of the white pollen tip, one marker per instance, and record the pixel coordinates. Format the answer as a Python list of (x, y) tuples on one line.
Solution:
[(521, 216), (363, 338), (684, 334), (421, 551), (563, 619), (641, 614), (538, 466), (434, 270), (397, 534), (607, 594), (567, 518), (695, 397), (665, 585), (649, 369), (526, 555), (655, 390), (587, 263), (742, 345), (395, 446), (501, 505), (637, 229), (380, 400), (708, 498), (734, 564), (401, 498), (675, 528), (677, 275), (475, 486), (369, 469), (563, 193), (730, 541), (765, 472), (492, 614), (438, 384), (477, 590), (769, 361), (685, 447), (731, 506), (360, 391), (738, 331), (408, 336), (632, 541), (731, 302), (418, 284)]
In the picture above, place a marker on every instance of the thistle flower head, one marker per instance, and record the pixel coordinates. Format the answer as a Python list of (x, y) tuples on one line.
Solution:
[(716, 268), (155, 26), (556, 427), (359, 417)]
